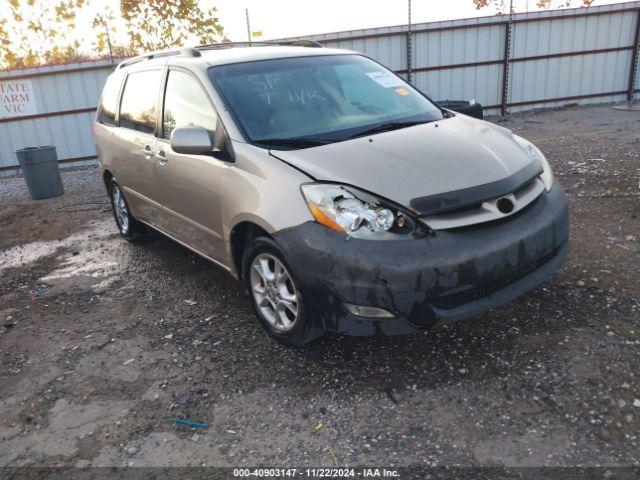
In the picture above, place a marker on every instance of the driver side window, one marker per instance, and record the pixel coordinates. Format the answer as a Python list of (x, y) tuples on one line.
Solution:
[(186, 104)]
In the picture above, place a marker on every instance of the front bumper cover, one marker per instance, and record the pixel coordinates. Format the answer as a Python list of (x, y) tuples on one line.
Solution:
[(427, 282)]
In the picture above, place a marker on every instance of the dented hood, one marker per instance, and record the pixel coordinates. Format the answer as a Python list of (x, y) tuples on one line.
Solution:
[(428, 159)]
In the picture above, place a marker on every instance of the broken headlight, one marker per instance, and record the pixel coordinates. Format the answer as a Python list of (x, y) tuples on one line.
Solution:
[(356, 213), (535, 154)]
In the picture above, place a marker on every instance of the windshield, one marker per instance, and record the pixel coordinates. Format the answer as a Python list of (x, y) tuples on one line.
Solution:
[(307, 101)]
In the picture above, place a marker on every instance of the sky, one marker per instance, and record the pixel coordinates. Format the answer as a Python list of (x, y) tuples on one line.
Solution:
[(290, 18)]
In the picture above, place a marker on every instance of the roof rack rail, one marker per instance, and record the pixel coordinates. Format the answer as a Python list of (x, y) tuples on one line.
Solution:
[(195, 51), (294, 43), (302, 43), (185, 52)]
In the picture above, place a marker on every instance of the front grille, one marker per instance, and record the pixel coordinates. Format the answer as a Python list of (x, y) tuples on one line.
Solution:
[(481, 213), (494, 222)]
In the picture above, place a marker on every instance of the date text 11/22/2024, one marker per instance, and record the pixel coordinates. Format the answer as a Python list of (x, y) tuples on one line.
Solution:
[(316, 472)]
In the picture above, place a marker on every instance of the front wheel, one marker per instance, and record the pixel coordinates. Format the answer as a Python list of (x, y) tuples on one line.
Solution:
[(275, 294), (129, 227)]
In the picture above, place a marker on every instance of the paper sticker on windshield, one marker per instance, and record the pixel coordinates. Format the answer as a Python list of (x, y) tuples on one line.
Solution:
[(386, 79), (401, 91)]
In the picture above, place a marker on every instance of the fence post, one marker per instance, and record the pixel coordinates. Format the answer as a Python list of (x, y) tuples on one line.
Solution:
[(634, 60), (409, 47), (505, 67)]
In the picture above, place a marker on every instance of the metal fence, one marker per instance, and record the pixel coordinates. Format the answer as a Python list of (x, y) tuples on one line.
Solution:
[(513, 63), (508, 64), (52, 105)]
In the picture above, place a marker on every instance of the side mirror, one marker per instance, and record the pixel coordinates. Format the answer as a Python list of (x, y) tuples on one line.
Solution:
[(191, 141)]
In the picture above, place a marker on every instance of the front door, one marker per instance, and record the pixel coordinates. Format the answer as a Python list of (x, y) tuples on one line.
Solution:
[(189, 184)]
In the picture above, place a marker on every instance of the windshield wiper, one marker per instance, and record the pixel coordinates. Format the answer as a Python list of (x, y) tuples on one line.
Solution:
[(291, 142), (385, 127)]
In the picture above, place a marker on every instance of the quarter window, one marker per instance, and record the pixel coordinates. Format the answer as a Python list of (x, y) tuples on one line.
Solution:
[(109, 100), (139, 100), (187, 104)]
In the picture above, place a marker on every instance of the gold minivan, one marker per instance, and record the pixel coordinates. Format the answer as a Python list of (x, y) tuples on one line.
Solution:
[(341, 197)]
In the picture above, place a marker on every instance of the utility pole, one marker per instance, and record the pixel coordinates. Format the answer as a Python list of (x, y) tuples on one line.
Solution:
[(106, 27), (409, 46), (246, 12)]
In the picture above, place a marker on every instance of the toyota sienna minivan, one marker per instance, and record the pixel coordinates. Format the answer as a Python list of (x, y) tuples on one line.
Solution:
[(340, 196)]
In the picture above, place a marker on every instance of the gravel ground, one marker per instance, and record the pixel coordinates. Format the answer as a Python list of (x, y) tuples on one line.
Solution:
[(102, 343)]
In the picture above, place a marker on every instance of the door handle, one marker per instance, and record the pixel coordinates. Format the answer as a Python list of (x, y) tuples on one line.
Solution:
[(160, 156), (147, 152)]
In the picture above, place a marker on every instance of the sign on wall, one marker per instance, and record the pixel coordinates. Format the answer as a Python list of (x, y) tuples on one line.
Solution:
[(17, 98)]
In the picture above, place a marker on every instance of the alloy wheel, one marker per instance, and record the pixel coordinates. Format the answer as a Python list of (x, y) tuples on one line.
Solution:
[(120, 209), (274, 292)]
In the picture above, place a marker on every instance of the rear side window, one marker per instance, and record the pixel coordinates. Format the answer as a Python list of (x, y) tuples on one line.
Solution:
[(139, 100), (109, 101), (186, 104)]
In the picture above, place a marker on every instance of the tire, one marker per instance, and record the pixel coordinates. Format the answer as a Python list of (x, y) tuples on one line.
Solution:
[(282, 290), (128, 226)]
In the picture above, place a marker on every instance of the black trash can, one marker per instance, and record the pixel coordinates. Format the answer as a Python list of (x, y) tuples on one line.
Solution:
[(41, 172), (462, 106)]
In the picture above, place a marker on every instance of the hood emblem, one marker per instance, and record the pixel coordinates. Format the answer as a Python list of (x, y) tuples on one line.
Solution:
[(505, 205)]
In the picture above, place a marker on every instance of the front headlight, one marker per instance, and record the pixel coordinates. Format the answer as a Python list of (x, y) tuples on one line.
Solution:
[(535, 154), (356, 213)]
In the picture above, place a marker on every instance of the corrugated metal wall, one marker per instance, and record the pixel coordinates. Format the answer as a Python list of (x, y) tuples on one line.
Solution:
[(610, 38), (527, 61), (438, 46), (583, 55), (66, 98)]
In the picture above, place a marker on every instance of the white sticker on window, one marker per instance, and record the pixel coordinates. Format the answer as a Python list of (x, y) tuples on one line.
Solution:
[(386, 79)]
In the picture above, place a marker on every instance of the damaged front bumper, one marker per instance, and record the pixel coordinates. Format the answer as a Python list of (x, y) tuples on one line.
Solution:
[(431, 281)]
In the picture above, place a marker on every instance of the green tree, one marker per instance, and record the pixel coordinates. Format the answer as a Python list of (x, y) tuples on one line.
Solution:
[(551, 4), (7, 56), (33, 32), (105, 44), (159, 24), (37, 32), (502, 6)]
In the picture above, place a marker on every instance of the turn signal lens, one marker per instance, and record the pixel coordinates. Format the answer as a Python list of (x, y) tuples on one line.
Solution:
[(324, 219)]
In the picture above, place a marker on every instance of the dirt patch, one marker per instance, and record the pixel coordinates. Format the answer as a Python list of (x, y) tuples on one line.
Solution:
[(103, 343)]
